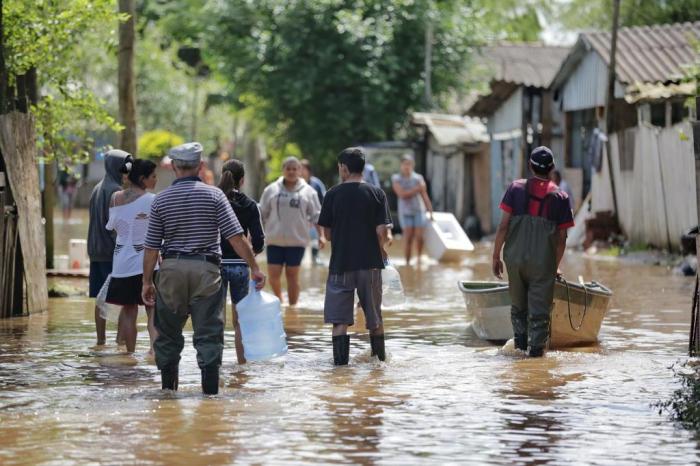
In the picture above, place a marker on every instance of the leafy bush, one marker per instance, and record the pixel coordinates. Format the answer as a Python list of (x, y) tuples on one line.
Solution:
[(684, 404), (155, 144)]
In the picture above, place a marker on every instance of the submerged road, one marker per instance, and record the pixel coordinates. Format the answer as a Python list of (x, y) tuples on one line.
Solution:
[(442, 396)]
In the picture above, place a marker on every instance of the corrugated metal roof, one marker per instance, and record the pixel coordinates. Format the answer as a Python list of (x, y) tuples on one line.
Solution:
[(452, 130), (645, 54), (527, 64), (513, 65)]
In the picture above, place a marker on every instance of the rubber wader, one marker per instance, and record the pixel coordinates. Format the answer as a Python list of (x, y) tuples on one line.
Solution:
[(341, 350), (530, 257)]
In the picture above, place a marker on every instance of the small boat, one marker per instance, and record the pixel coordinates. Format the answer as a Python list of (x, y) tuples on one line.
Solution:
[(445, 240), (578, 312)]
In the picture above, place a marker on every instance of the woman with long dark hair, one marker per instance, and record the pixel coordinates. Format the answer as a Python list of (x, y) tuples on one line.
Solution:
[(234, 270), (128, 217)]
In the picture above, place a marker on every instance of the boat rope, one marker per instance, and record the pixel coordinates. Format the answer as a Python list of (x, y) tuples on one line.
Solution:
[(585, 306)]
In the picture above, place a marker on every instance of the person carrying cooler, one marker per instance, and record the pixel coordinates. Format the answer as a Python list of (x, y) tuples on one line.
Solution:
[(356, 220), (187, 222), (536, 215), (234, 270), (289, 208)]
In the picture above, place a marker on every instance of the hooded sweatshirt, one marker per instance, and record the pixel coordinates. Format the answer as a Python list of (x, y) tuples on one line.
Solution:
[(100, 240), (288, 214), (249, 217)]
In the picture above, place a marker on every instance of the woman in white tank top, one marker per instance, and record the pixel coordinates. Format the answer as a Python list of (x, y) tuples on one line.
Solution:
[(128, 217)]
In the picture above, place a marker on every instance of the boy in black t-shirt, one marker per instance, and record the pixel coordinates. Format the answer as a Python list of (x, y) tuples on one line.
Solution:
[(356, 219)]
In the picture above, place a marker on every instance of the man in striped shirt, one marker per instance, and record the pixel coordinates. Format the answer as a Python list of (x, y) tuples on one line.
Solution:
[(186, 223)]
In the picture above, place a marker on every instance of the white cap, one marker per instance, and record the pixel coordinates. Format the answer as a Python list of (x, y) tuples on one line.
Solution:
[(188, 152)]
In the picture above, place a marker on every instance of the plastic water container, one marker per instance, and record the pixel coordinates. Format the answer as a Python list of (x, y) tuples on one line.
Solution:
[(392, 288), (262, 331), (77, 254)]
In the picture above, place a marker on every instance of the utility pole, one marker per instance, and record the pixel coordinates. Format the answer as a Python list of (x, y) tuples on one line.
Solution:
[(696, 148), (694, 338), (609, 118), (428, 64), (127, 87)]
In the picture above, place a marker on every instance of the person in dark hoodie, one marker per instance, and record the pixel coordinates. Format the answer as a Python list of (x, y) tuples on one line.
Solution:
[(234, 270), (100, 241)]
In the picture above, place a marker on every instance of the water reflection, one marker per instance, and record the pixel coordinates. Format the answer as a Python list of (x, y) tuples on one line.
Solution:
[(533, 436)]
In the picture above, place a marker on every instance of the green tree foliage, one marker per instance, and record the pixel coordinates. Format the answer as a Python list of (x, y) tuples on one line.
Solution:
[(49, 36), (510, 20), (330, 73), (155, 144), (597, 14)]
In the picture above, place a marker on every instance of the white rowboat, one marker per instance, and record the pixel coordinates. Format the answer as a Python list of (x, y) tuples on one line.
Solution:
[(578, 312)]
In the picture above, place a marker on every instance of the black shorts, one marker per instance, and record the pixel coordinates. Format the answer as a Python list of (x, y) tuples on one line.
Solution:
[(290, 256), (125, 291)]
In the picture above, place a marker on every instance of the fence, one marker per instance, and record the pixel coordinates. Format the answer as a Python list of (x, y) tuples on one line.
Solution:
[(654, 171), (11, 273)]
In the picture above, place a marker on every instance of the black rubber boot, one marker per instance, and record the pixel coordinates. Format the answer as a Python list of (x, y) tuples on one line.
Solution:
[(169, 378), (536, 352), (521, 342), (377, 343), (210, 380), (341, 350)]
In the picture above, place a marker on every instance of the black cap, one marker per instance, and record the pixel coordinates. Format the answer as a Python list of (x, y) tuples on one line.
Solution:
[(542, 158)]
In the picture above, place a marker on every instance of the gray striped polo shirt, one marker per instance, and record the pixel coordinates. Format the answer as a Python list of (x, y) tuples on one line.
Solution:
[(190, 217)]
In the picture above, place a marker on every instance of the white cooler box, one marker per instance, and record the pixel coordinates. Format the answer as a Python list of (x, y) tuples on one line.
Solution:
[(445, 240), (77, 254)]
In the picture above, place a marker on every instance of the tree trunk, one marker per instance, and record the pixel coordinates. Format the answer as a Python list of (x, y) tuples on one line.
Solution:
[(18, 148), (127, 90)]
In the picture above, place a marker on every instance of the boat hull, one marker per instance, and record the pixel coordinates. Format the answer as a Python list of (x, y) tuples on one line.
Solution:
[(577, 314)]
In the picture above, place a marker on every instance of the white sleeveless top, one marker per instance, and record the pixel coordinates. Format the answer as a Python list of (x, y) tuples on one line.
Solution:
[(130, 221)]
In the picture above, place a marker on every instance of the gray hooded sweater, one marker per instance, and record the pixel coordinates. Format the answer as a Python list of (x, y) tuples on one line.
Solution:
[(288, 215), (100, 242)]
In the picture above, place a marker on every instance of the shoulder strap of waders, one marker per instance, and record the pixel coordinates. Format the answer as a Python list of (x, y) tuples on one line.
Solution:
[(525, 209)]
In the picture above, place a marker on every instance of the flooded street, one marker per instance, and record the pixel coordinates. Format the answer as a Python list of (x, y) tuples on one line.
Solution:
[(442, 396)]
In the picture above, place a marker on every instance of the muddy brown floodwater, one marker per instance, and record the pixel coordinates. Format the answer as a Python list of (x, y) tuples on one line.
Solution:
[(442, 396)]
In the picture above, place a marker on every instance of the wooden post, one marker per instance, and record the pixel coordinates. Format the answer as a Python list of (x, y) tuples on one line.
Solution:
[(47, 207), (609, 119), (127, 89), (696, 149)]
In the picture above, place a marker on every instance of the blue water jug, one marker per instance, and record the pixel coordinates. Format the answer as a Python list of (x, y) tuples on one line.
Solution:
[(262, 331)]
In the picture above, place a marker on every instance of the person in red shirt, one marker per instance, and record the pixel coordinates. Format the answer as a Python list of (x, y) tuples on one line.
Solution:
[(532, 234)]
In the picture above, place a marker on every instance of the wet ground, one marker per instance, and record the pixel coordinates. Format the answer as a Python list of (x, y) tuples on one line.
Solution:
[(443, 395)]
